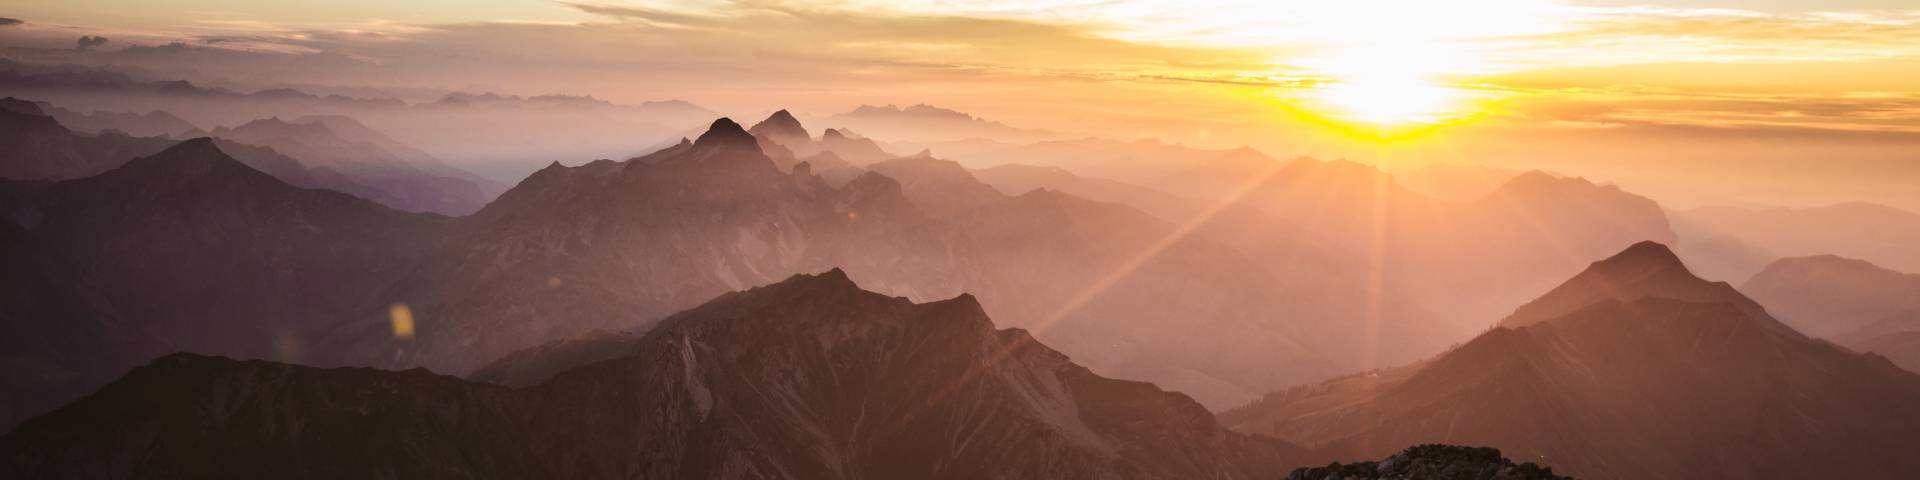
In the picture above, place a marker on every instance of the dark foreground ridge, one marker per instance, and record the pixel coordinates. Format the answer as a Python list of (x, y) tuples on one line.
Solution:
[(1433, 462), (809, 378)]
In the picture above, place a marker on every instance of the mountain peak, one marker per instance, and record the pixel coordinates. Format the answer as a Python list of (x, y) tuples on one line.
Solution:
[(779, 125), (725, 132), (1644, 269), (832, 133), (189, 157), (1645, 254)]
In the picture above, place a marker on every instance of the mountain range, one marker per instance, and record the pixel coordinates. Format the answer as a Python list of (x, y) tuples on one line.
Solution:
[(810, 377), (332, 152), (615, 246)]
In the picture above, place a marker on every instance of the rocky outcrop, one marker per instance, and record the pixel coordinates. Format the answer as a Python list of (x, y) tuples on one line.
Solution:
[(1432, 462)]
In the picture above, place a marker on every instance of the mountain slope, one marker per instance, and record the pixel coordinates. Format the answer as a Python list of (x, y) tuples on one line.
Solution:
[(1650, 387), (807, 378)]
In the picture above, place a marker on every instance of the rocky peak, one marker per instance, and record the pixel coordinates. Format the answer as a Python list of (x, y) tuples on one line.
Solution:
[(724, 134), (1643, 258), (1644, 269), (185, 160), (1435, 462), (781, 125)]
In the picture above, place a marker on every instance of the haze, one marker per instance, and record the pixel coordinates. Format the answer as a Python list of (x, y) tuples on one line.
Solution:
[(1783, 103), (825, 239)]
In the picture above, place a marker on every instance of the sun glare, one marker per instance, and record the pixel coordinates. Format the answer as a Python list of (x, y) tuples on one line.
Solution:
[(1390, 101), (1385, 91)]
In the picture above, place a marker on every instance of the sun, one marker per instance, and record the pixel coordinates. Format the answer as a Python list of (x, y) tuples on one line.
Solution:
[(1384, 91), (1390, 101)]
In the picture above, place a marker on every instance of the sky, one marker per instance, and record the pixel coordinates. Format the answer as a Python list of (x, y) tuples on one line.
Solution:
[(1773, 85)]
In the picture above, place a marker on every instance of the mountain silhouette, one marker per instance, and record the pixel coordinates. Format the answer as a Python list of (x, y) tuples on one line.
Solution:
[(810, 377), (187, 249), (1626, 387)]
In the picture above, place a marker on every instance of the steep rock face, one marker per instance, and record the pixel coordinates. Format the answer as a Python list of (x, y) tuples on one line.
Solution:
[(808, 378), (1828, 295), (1652, 387)]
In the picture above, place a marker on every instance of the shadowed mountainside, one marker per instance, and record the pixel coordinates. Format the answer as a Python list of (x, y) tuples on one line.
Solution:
[(811, 377)]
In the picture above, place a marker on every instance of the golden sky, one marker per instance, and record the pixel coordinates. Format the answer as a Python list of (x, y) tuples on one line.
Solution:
[(1379, 80)]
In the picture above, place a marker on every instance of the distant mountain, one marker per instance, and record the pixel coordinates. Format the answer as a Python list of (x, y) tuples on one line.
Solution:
[(1522, 236), (835, 154), (1875, 233), (1456, 182), (855, 149), (1828, 295), (502, 136), (927, 123), (811, 377), (1896, 336), (395, 174), (781, 127), (38, 147), (151, 124), (1168, 167), (1653, 387), (186, 249), (1715, 254), (1015, 179), (1432, 462), (939, 187)]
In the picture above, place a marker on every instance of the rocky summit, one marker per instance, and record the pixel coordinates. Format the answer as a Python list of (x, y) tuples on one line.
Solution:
[(1432, 462)]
